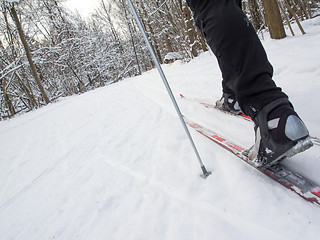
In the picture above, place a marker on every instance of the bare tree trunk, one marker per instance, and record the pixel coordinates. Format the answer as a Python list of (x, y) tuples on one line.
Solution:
[(80, 84), (273, 19), (303, 8), (255, 14), (153, 39), (286, 17), (7, 98), (165, 34), (294, 15), (28, 53), (168, 43), (309, 8), (28, 91), (10, 40), (190, 30), (130, 27), (134, 47)]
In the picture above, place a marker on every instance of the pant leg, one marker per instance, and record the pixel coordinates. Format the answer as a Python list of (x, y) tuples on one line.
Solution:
[(238, 49), (227, 76)]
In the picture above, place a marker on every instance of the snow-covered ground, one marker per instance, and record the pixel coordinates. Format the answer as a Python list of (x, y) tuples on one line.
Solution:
[(115, 163)]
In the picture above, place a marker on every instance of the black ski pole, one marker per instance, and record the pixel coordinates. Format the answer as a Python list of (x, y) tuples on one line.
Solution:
[(164, 79)]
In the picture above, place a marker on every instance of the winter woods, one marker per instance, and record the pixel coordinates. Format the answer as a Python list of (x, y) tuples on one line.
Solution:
[(47, 51)]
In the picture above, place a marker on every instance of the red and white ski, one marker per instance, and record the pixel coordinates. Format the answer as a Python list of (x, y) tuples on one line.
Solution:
[(210, 105), (289, 179), (204, 103)]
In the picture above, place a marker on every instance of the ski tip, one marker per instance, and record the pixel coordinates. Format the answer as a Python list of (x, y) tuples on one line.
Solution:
[(181, 95)]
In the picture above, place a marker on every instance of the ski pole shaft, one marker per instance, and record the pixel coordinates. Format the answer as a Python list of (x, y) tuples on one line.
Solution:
[(164, 79)]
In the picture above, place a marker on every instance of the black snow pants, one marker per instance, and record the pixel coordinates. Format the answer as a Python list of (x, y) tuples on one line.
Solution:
[(246, 71)]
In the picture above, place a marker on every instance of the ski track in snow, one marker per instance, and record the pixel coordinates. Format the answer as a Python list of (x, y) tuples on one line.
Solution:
[(115, 163)]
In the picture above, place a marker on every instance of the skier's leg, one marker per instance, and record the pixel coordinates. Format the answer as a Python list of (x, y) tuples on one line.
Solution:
[(228, 102), (235, 43), (230, 35)]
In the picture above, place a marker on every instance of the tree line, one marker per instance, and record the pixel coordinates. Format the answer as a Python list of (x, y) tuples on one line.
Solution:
[(48, 52)]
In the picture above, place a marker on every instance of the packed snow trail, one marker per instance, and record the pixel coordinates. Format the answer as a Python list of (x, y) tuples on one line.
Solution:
[(115, 163)]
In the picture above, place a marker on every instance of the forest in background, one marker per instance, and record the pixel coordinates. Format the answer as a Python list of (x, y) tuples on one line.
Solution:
[(48, 52)]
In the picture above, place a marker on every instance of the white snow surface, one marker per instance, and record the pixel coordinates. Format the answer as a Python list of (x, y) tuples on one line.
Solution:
[(115, 163)]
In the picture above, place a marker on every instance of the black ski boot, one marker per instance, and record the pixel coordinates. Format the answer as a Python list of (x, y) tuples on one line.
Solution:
[(228, 103), (279, 132)]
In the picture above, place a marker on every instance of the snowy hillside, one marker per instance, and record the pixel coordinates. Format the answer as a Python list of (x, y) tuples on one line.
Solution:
[(115, 163)]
